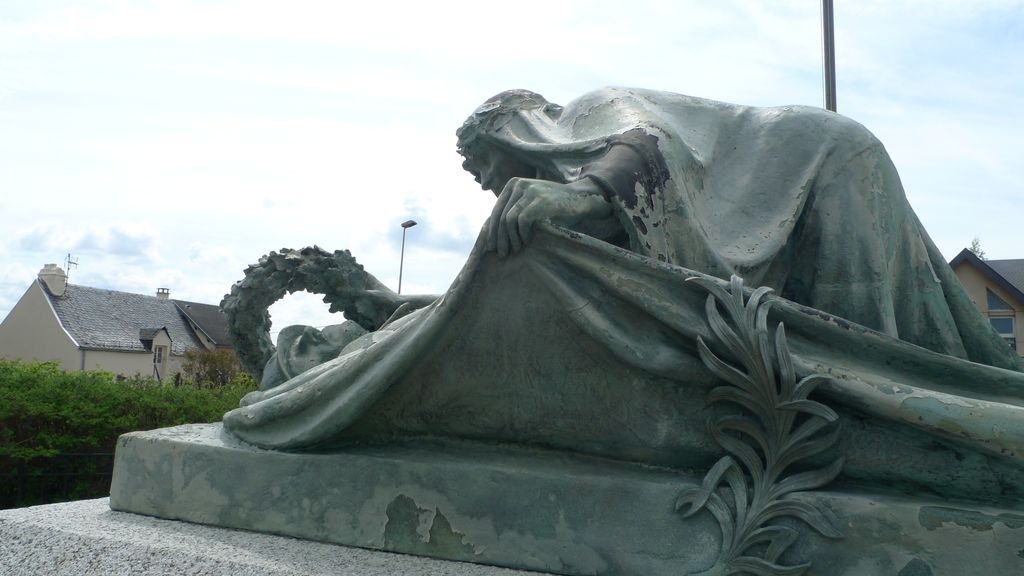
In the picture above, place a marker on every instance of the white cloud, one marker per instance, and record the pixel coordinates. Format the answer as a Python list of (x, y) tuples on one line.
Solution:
[(169, 144), (130, 240), (15, 278)]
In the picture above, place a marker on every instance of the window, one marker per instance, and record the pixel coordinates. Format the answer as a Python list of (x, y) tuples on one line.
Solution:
[(1004, 326), (995, 302), (158, 354)]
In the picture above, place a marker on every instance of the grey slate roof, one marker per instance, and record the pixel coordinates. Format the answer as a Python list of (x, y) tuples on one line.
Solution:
[(209, 318), (1011, 270), (1007, 274), (112, 320)]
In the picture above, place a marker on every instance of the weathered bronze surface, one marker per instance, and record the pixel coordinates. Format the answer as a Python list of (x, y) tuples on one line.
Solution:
[(601, 315)]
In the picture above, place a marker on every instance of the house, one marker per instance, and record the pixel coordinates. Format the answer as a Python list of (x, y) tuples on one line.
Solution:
[(85, 328), (997, 289)]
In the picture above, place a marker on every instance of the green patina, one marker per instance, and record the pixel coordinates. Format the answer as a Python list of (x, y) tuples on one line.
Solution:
[(916, 567), (935, 517), (572, 329)]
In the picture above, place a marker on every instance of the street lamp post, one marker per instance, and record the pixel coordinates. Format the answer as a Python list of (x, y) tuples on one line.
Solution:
[(401, 263)]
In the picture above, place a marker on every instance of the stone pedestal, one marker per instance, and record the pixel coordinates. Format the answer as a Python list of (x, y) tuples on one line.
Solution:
[(527, 509), (87, 538)]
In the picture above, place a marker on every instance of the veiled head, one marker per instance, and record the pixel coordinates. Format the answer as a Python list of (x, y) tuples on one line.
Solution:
[(489, 139)]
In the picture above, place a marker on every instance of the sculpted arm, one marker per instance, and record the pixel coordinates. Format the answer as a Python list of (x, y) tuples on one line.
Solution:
[(587, 204), (526, 201)]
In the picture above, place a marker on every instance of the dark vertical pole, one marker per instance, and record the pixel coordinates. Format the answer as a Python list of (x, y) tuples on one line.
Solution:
[(401, 261), (828, 38)]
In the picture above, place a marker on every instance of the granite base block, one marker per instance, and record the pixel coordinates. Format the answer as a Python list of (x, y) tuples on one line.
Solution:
[(525, 509), (87, 538)]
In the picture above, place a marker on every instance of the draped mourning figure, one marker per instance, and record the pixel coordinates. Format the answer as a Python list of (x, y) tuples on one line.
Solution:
[(573, 327)]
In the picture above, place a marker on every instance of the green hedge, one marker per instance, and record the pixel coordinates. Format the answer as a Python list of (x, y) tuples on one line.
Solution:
[(46, 413)]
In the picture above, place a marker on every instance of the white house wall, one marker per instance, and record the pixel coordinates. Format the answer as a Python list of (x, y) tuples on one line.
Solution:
[(31, 332), (134, 363), (129, 363), (123, 363), (975, 283)]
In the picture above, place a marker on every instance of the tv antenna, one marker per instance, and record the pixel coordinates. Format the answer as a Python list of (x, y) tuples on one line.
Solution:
[(68, 263)]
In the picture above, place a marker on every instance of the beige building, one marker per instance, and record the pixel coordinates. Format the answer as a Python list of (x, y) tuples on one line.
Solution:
[(85, 328), (997, 289)]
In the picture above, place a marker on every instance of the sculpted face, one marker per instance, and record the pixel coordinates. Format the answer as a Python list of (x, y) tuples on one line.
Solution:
[(495, 168)]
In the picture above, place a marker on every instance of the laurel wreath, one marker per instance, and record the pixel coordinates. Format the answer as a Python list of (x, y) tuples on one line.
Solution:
[(342, 281)]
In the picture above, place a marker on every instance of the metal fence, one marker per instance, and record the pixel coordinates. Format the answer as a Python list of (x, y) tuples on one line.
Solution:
[(60, 478)]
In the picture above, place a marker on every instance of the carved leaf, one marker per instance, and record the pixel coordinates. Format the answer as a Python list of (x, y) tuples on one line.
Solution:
[(762, 371), (726, 335), (698, 497), (785, 538), (807, 480), (756, 322), (803, 510), (734, 395), (760, 567), (711, 286), (747, 426), (794, 452), (743, 452), (695, 498), (720, 511), (808, 384), (804, 431), (754, 311), (778, 538), (721, 369), (787, 374), (735, 302), (738, 485), (811, 407)]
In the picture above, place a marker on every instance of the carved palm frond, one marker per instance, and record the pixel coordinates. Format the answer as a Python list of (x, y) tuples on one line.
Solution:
[(779, 427)]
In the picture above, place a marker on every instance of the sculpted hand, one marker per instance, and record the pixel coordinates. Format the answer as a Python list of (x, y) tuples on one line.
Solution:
[(373, 307), (525, 201)]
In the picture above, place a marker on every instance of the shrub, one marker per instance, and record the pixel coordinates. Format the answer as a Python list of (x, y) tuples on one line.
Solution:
[(47, 414), (211, 368)]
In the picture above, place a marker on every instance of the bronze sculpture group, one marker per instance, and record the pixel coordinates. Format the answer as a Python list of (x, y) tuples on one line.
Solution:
[(602, 313)]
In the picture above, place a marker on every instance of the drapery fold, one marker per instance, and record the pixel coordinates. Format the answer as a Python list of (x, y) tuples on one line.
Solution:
[(581, 345), (646, 315), (800, 199)]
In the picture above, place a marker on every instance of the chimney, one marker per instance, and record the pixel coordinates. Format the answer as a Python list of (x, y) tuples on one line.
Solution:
[(54, 279), (163, 293)]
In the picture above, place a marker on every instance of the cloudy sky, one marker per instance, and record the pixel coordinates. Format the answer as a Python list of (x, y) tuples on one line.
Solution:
[(169, 144)]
